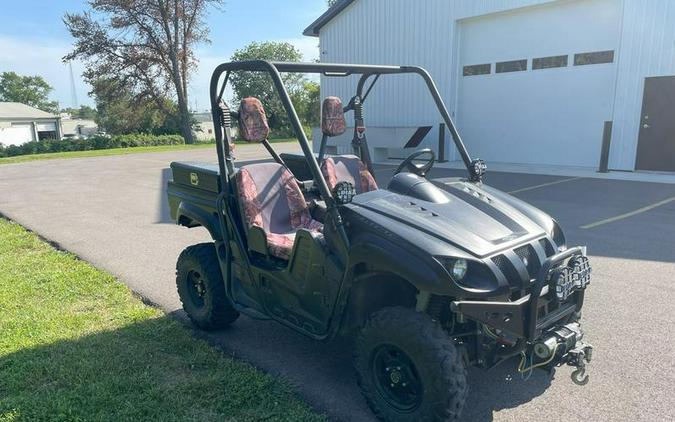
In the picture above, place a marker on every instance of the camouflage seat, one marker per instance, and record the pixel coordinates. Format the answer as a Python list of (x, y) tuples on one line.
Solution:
[(270, 196), (348, 168)]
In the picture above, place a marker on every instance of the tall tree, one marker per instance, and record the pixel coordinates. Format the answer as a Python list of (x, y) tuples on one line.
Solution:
[(120, 112), (259, 84), (84, 112), (145, 46), (30, 90)]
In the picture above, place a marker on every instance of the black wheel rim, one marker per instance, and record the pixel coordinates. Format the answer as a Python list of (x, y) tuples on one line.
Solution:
[(197, 288), (396, 378)]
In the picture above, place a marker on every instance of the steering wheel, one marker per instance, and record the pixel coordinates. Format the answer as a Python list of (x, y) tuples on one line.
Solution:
[(419, 169)]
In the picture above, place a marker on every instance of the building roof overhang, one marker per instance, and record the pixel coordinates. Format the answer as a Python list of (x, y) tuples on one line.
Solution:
[(313, 29)]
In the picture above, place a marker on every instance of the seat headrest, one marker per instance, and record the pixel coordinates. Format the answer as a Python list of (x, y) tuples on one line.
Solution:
[(332, 117), (253, 125)]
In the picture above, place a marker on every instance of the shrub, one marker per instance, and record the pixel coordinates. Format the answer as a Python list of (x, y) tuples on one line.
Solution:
[(91, 143)]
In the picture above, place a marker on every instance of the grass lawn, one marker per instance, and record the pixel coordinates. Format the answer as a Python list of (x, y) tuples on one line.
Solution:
[(76, 345), (114, 151)]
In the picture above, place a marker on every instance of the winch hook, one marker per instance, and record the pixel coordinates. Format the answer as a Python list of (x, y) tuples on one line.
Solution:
[(579, 376)]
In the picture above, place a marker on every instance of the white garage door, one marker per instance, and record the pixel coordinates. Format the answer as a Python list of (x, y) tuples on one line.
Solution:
[(17, 134), (536, 85)]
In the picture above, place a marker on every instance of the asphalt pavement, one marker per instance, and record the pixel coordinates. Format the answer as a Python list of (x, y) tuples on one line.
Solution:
[(112, 212)]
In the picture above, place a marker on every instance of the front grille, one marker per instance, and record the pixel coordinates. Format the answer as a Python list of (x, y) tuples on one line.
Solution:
[(527, 253), (549, 311), (547, 247), (507, 268)]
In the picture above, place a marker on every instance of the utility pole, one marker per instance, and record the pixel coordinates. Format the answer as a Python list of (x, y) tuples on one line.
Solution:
[(73, 92)]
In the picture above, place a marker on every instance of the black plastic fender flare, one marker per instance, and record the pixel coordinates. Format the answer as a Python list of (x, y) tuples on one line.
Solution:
[(383, 255), (198, 217)]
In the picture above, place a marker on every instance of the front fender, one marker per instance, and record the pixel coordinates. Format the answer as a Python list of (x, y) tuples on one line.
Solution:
[(190, 215), (383, 255)]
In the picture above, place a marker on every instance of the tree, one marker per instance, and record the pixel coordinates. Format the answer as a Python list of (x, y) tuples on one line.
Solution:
[(84, 112), (120, 112), (30, 90), (307, 103), (145, 47), (259, 84)]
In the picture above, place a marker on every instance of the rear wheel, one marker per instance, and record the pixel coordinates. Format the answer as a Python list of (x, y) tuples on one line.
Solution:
[(408, 368), (201, 288)]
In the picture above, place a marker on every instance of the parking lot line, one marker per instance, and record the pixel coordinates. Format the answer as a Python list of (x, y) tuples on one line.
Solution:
[(628, 214), (545, 184)]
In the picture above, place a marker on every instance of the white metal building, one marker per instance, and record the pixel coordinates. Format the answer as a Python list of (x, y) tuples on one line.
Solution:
[(20, 123), (527, 81), (77, 128)]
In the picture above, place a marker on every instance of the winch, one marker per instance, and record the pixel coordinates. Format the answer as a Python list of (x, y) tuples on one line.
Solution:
[(567, 342)]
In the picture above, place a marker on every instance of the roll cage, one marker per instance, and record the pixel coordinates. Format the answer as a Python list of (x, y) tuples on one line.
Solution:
[(221, 115)]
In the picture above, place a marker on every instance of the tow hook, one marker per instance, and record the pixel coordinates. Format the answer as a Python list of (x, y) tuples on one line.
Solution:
[(580, 356), (579, 376)]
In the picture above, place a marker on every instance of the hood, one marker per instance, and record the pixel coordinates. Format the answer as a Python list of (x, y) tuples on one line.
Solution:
[(481, 221)]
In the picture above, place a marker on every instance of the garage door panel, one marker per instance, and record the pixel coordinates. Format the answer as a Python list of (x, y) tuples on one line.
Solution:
[(527, 118), (552, 29), (545, 116)]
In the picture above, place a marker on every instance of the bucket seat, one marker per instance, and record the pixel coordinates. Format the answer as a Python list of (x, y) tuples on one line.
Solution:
[(339, 168), (270, 197)]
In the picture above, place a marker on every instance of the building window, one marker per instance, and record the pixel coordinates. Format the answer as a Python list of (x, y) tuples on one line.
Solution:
[(478, 69), (596, 57), (512, 66), (549, 62)]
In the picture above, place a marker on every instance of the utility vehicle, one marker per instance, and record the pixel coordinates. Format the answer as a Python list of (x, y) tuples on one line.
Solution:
[(430, 278)]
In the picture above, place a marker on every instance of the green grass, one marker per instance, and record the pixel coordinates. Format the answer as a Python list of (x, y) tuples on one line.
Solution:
[(114, 151), (99, 153), (76, 345)]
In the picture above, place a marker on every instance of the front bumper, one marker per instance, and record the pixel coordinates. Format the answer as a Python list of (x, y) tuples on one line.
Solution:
[(549, 338), (521, 318)]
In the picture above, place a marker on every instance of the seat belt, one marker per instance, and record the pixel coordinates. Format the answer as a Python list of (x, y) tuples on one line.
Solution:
[(360, 142)]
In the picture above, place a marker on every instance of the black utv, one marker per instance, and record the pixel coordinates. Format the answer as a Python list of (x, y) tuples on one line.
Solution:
[(428, 277)]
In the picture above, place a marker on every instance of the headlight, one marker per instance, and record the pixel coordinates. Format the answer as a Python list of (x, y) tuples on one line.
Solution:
[(458, 268), (469, 274)]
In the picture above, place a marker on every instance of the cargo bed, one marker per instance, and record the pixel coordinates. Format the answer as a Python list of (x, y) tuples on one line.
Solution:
[(193, 183)]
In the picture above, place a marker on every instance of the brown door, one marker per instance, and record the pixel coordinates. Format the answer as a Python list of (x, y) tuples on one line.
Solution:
[(656, 144)]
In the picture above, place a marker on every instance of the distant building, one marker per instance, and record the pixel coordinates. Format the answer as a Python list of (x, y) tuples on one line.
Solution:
[(77, 128), (203, 128), (20, 123)]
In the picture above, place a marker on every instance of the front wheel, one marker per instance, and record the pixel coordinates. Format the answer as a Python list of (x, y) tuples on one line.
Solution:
[(408, 368), (201, 288)]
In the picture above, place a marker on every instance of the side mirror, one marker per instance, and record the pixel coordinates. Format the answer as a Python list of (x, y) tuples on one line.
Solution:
[(344, 192)]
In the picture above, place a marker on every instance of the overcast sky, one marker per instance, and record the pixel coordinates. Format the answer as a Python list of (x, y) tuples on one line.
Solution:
[(33, 39)]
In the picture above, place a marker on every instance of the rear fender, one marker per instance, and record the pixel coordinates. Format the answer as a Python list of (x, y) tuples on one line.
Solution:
[(189, 215)]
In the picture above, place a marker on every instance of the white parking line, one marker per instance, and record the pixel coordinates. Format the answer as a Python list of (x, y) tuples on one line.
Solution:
[(628, 214), (545, 184)]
